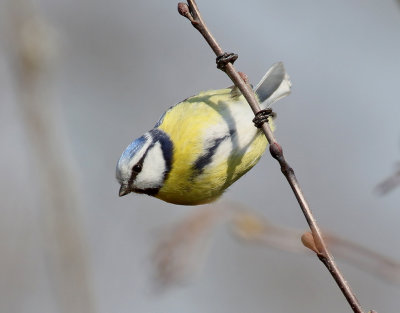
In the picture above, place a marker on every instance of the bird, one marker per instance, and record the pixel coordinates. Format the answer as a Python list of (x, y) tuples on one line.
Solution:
[(200, 146)]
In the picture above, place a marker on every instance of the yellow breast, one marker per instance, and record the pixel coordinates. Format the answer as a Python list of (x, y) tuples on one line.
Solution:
[(211, 127)]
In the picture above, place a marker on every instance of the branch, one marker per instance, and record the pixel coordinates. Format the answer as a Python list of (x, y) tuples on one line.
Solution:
[(192, 13)]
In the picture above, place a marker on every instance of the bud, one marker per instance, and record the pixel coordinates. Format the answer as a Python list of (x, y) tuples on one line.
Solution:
[(308, 241), (183, 9), (276, 151)]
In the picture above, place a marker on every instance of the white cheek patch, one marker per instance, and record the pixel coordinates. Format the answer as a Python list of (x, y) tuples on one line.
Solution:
[(154, 167)]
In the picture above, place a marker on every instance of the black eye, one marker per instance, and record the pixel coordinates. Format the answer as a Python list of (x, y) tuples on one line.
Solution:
[(137, 168)]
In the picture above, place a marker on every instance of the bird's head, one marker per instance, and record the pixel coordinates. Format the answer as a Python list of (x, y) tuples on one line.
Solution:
[(145, 163)]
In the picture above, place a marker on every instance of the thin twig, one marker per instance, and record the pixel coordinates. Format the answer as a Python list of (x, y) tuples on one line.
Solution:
[(191, 12)]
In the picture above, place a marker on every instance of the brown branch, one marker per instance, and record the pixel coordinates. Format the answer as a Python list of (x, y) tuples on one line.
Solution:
[(191, 12)]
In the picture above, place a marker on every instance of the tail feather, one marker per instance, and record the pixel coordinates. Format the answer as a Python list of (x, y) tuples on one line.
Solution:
[(273, 86)]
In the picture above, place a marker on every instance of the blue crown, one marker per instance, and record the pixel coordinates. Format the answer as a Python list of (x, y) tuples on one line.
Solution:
[(129, 152), (133, 148)]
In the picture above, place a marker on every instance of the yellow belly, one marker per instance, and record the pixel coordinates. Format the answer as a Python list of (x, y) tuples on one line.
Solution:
[(179, 188), (186, 124)]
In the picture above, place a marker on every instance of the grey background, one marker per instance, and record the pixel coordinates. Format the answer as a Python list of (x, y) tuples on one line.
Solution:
[(122, 63)]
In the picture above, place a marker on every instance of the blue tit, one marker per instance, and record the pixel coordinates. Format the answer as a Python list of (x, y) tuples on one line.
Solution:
[(200, 146)]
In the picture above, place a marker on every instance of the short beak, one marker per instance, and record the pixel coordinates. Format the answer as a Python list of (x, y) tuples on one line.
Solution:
[(124, 190)]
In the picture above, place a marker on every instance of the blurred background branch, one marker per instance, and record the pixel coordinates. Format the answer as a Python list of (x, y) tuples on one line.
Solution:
[(250, 227), (182, 247), (176, 256), (390, 183), (32, 51)]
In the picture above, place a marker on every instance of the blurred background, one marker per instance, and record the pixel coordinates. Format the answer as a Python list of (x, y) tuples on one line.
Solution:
[(79, 80)]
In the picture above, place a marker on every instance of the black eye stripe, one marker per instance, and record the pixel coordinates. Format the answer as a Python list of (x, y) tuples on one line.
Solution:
[(139, 163), (136, 170)]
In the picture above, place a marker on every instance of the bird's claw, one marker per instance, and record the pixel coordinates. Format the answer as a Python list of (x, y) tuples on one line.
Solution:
[(225, 58), (262, 117)]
